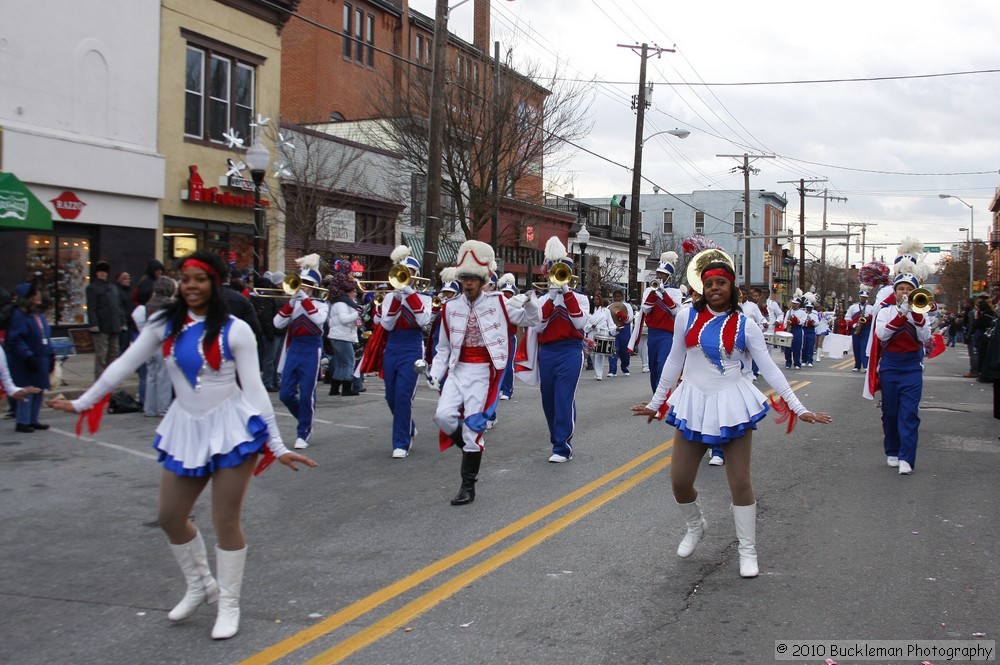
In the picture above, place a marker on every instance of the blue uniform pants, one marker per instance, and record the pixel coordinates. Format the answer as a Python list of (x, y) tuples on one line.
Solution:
[(793, 353), (402, 349), (808, 345), (507, 384), (860, 352), (902, 383), (559, 367), (658, 343), (621, 350), (298, 382)]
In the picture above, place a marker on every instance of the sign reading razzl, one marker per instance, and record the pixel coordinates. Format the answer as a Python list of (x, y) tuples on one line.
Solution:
[(68, 205), (198, 193)]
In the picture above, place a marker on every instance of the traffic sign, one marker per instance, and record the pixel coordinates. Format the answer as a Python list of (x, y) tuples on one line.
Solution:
[(932, 250)]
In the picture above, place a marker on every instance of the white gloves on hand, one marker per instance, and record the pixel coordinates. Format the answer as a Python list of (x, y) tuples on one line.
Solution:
[(433, 382), (407, 290)]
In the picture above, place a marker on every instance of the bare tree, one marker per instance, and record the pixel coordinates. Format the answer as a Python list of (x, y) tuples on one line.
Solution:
[(507, 132), (322, 179), (954, 283)]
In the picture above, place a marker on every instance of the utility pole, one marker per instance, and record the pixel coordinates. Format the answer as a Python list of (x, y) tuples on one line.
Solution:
[(801, 182), (495, 165), (639, 105), (822, 253), (434, 139), (747, 170)]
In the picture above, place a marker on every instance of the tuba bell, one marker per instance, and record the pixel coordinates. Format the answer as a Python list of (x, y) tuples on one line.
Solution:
[(698, 263), (921, 301)]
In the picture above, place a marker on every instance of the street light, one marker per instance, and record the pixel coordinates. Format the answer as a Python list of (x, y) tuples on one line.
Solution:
[(582, 239), (679, 133), (972, 234), (257, 160), (968, 242)]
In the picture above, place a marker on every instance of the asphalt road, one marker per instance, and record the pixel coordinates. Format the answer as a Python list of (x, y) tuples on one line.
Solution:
[(363, 560)]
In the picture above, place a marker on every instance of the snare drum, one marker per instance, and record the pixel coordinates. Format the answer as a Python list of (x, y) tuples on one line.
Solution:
[(604, 345), (783, 339)]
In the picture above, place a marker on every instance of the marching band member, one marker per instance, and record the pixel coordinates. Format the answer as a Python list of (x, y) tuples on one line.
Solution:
[(508, 287), (213, 431), (403, 315), (809, 329), (859, 317), (299, 365), (449, 289), (795, 319), (822, 330), (660, 304), (751, 310), (599, 324), (623, 333), (715, 404), (474, 348), (554, 354), (901, 335)]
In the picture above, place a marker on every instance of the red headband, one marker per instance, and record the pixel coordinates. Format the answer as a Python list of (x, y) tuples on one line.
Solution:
[(204, 266), (718, 272)]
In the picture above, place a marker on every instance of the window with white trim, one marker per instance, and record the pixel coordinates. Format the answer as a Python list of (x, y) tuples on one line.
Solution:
[(738, 221), (699, 222), (668, 222), (219, 93)]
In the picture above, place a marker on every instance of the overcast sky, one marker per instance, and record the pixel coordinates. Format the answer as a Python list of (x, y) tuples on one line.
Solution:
[(868, 139)]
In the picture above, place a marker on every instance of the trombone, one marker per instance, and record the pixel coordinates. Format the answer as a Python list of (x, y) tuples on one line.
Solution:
[(560, 274), (399, 278), (289, 287)]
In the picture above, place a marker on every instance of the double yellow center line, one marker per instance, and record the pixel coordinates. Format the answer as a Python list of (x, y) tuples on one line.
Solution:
[(450, 587)]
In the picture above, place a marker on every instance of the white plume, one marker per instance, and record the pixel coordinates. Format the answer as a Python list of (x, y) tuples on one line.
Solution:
[(400, 253), (309, 262), (554, 249), (507, 279), (910, 246), (449, 274), (668, 257)]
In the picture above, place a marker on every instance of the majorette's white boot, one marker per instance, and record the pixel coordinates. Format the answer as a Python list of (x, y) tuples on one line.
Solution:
[(745, 518), (201, 586), (696, 526), (230, 566)]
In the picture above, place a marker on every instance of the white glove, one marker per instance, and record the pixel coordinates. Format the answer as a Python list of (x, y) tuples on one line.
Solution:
[(299, 296), (434, 383), (407, 290), (903, 308)]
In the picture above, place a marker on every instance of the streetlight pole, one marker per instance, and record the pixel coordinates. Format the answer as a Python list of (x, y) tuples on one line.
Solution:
[(257, 160), (583, 239), (972, 235)]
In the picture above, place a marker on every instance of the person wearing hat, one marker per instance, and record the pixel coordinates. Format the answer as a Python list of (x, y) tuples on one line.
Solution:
[(809, 330), (343, 323), (660, 304), (448, 290), (553, 352), (859, 320), (717, 404), (105, 316), (473, 349), (508, 288), (901, 335), (299, 364), (795, 320), (403, 315), (623, 334)]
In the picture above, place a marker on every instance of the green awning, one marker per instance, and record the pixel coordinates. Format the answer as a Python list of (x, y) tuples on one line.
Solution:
[(447, 248), (19, 208)]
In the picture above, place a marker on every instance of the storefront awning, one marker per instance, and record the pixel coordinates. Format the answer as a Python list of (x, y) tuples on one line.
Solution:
[(447, 249), (19, 208)]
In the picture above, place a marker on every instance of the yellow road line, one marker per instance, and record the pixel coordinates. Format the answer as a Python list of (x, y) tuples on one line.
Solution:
[(369, 603), (844, 364), (402, 616)]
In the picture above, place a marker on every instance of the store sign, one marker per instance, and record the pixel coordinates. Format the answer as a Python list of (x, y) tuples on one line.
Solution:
[(19, 208), (198, 193), (68, 205), (239, 182)]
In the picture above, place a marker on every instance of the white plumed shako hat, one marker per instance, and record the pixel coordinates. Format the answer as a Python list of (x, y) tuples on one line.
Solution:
[(668, 263), (309, 269), (449, 280), (555, 252), (507, 283), (474, 259), (403, 256)]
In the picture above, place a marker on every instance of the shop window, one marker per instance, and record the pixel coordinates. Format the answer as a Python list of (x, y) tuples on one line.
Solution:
[(63, 265), (219, 94)]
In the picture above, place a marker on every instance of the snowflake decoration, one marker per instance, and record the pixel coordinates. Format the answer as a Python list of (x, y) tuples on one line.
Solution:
[(281, 170), (235, 168), (284, 143), (261, 121), (233, 138)]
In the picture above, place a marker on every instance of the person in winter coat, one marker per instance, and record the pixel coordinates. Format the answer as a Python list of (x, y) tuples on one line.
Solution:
[(343, 323), (107, 320), (30, 346), (154, 270), (270, 342), (159, 390)]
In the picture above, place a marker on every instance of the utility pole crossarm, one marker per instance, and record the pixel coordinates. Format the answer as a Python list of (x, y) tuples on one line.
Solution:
[(747, 170)]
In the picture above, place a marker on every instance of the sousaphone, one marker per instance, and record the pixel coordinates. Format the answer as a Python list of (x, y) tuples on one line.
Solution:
[(702, 259)]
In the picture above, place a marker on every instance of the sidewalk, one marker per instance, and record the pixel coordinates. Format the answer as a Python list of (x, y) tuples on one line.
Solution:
[(78, 375)]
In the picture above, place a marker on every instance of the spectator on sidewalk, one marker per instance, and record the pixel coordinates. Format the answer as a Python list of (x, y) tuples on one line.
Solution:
[(106, 318), (239, 305), (266, 308), (154, 269), (159, 390), (30, 346)]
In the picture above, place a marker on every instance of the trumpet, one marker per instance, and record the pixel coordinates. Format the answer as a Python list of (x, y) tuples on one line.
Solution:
[(560, 274), (921, 301), (289, 287)]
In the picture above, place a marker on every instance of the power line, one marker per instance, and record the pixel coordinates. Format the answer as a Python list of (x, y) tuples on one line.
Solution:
[(870, 79)]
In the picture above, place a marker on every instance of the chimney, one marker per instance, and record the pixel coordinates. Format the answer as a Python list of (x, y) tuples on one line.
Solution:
[(481, 26)]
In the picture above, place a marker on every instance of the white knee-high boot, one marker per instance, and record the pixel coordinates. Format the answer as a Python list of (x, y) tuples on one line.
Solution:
[(201, 586), (230, 566), (696, 526), (745, 518)]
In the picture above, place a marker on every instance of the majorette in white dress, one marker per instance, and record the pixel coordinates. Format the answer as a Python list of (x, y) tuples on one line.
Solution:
[(211, 423), (715, 403)]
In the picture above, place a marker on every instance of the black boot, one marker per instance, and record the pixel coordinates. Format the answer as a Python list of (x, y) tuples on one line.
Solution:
[(470, 471), (334, 387), (456, 439), (349, 390)]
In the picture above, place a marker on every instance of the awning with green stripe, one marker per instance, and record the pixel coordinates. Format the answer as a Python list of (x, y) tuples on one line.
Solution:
[(447, 249), (19, 208)]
